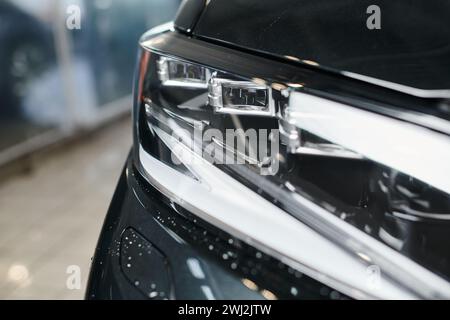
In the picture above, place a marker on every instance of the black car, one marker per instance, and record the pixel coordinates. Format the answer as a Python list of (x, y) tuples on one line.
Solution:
[(288, 149)]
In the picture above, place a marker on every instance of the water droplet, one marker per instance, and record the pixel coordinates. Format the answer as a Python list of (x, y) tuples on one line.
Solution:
[(136, 283), (129, 265), (294, 291), (153, 294), (334, 295)]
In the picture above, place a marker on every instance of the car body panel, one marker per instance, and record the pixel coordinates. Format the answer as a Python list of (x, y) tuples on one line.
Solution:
[(150, 248), (411, 48), (188, 14)]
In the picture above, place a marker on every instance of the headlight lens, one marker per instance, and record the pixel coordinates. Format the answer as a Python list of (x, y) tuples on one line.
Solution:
[(173, 72), (386, 177)]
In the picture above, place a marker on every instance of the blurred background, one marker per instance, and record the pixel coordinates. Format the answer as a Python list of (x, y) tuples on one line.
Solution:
[(65, 131)]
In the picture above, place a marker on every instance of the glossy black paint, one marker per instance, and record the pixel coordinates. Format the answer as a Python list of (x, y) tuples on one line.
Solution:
[(151, 248), (412, 47), (188, 14)]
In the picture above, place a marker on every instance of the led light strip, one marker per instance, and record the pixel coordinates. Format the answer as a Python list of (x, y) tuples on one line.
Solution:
[(410, 149), (227, 204)]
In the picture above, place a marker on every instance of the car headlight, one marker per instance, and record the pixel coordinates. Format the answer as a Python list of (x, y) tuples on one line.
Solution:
[(308, 166)]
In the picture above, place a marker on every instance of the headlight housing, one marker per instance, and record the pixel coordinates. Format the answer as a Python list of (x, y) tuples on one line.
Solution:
[(302, 164)]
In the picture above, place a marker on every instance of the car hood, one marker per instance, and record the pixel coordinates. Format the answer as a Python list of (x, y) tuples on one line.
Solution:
[(412, 48)]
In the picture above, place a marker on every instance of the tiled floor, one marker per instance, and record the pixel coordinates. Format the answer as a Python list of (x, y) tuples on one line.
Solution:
[(50, 219)]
